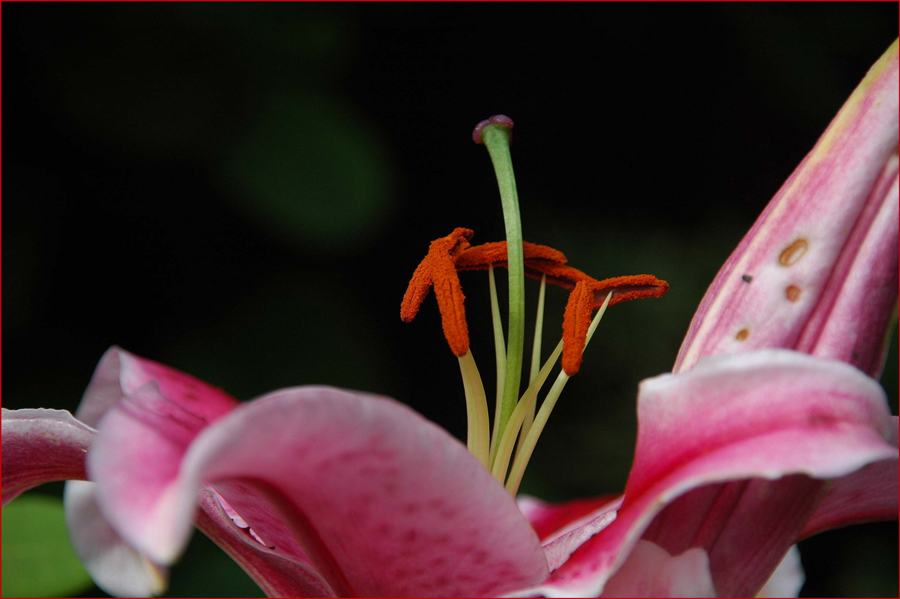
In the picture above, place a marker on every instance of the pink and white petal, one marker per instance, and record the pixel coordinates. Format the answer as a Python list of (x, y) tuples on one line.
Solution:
[(383, 502), (854, 312), (276, 574), (788, 578), (869, 494), (114, 566), (765, 414), (41, 446), (248, 504), (136, 460), (561, 546), (776, 279), (552, 520), (729, 402), (120, 373), (739, 521), (651, 571)]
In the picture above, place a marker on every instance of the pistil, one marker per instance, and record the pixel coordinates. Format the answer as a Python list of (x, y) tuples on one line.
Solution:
[(495, 135)]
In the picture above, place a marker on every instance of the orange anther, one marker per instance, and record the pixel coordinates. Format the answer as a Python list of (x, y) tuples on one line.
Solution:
[(480, 257), (590, 294), (450, 254), (576, 322), (437, 269), (628, 288)]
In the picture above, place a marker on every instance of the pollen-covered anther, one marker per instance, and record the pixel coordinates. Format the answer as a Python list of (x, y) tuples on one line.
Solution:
[(438, 270), (537, 257), (590, 294), (453, 253), (576, 321), (628, 288)]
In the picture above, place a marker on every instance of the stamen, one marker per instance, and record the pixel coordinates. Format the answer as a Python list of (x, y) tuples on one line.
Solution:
[(478, 439), (480, 257), (515, 417), (538, 331), (546, 263), (628, 288), (454, 253), (561, 275), (576, 320), (450, 300), (516, 420), (524, 454), (535, 359), (588, 294), (500, 351), (437, 269), (417, 291)]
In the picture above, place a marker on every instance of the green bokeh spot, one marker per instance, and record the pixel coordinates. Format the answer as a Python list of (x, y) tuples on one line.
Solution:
[(38, 560), (311, 172)]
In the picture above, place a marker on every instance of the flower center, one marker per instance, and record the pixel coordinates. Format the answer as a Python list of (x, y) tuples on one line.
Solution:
[(515, 416)]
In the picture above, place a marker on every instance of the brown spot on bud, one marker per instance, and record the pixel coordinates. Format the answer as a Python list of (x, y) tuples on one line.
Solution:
[(792, 293), (792, 253), (742, 334)]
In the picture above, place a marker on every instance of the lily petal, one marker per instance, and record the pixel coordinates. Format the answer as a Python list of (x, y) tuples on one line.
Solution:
[(113, 565), (850, 322), (563, 545), (746, 527), (869, 494), (384, 502), (782, 286), (136, 459), (121, 373), (41, 446), (246, 503), (788, 578), (276, 574), (552, 520), (651, 571), (763, 415), (182, 407)]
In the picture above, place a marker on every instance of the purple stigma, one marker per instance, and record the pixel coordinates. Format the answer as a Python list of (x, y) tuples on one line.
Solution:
[(501, 120)]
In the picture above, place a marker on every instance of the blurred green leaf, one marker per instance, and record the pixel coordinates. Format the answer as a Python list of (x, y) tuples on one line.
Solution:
[(312, 172), (38, 560)]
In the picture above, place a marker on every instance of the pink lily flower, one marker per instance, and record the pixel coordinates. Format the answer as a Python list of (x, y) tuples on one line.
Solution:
[(766, 433)]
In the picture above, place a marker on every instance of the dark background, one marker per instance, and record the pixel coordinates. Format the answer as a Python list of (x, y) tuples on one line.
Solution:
[(243, 191)]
